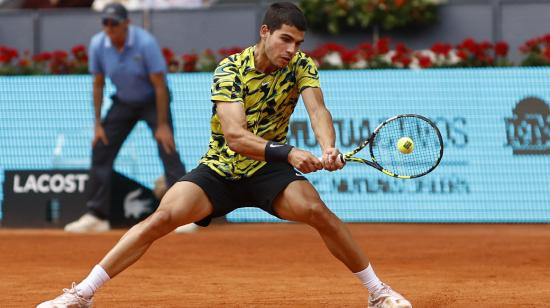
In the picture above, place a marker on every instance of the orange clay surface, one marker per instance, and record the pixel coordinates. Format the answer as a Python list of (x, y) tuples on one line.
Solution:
[(287, 265)]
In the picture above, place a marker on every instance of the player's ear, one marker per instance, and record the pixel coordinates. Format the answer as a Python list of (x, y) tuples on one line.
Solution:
[(264, 31)]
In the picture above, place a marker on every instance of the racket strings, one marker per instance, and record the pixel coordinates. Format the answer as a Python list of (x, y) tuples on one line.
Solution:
[(427, 146)]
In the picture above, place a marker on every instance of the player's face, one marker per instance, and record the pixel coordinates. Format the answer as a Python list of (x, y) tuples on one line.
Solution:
[(282, 44), (115, 30)]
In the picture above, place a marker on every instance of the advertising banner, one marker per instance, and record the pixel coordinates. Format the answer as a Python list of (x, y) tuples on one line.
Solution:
[(494, 122), (53, 198)]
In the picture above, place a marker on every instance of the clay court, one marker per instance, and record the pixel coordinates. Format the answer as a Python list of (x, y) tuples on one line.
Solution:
[(287, 265)]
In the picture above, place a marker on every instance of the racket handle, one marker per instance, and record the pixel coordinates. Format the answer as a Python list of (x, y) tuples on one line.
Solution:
[(339, 156)]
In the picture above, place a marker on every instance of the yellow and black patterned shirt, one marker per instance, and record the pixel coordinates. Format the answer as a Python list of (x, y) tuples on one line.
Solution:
[(268, 99)]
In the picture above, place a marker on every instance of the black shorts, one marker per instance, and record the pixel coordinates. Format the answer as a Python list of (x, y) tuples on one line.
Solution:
[(259, 190)]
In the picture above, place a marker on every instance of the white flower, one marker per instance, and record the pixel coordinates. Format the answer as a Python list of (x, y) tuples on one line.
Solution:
[(388, 56), (415, 65), (430, 54), (361, 64), (334, 59), (453, 57)]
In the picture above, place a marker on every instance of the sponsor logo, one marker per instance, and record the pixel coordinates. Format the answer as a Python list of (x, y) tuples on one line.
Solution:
[(274, 145), (528, 130), (135, 207), (49, 183)]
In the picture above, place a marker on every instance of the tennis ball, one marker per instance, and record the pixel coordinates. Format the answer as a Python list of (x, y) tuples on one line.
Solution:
[(405, 145)]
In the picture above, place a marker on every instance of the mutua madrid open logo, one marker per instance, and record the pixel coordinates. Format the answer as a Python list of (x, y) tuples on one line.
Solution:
[(528, 131)]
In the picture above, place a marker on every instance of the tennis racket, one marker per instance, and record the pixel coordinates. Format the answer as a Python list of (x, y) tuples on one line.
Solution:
[(386, 156)]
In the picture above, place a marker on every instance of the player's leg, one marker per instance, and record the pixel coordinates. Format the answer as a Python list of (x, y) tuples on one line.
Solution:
[(117, 124), (299, 201), (183, 203)]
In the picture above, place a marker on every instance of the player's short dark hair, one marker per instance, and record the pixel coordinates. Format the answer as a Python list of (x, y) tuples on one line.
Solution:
[(284, 13)]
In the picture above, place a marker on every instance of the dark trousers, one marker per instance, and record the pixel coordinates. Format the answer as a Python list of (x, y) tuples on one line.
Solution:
[(118, 124)]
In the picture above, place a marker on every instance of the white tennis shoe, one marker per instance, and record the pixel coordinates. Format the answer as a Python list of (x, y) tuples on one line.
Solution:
[(69, 299), (188, 228), (385, 297), (88, 223)]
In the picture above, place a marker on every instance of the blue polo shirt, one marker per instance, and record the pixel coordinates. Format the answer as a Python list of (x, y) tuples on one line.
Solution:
[(128, 69)]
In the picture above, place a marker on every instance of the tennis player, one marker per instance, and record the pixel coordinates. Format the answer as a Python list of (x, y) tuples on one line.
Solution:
[(249, 163)]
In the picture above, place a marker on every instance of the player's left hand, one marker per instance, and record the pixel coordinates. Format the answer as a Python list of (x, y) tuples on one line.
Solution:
[(331, 161), (165, 138)]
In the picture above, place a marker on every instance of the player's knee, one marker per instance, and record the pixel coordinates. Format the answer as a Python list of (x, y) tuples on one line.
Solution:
[(156, 225), (320, 217)]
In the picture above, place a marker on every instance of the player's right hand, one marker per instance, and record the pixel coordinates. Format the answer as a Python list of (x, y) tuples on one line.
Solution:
[(331, 159), (304, 161), (99, 134)]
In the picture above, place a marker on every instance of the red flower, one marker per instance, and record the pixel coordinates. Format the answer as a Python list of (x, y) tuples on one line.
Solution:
[(83, 59), (168, 55), (401, 48), (78, 49), (334, 47), (383, 45), (530, 46), (349, 57), (424, 61), (469, 44), (320, 52), (485, 45), (365, 46), (24, 63), (7, 54), (208, 52), (226, 52), (501, 49), (189, 62), (4, 58), (461, 54), (60, 55), (441, 49), (367, 51), (79, 53), (42, 57)]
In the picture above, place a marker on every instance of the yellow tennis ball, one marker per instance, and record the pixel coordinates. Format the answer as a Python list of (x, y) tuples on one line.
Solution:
[(405, 145)]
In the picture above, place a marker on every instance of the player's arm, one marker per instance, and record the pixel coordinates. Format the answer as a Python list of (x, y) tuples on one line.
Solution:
[(323, 127), (240, 140), (163, 133)]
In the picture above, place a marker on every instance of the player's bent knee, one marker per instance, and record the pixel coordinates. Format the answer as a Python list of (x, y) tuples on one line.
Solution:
[(156, 225), (321, 218)]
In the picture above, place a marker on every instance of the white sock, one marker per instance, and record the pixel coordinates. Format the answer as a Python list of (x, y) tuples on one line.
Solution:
[(369, 279), (87, 287)]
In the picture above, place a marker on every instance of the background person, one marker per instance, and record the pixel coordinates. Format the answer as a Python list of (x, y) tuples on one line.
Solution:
[(132, 59)]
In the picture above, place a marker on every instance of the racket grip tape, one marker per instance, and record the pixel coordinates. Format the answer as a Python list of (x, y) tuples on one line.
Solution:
[(339, 156)]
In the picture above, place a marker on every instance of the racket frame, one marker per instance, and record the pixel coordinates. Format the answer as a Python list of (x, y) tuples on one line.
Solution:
[(350, 155)]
